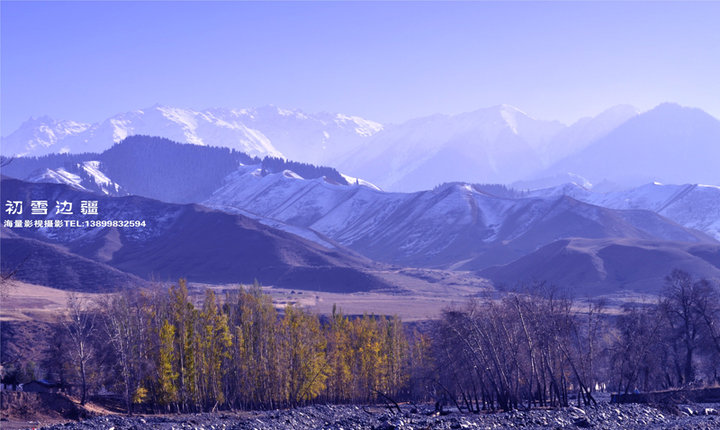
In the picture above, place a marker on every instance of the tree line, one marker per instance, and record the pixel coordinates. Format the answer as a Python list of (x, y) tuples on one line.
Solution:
[(306, 170), (159, 350), (543, 349)]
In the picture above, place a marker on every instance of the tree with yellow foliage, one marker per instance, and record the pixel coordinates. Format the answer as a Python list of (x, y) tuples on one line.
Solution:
[(214, 344), (339, 357), (305, 345), (166, 375)]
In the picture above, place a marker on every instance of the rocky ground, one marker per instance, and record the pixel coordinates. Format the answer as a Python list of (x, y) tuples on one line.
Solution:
[(604, 416)]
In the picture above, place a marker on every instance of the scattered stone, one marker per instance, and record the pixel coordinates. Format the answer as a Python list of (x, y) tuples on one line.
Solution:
[(582, 422), (418, 417), (575, 410)]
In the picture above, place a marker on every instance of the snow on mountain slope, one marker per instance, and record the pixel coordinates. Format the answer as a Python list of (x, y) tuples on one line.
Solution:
[(57, 176), (455, 225), (318, 138), (182, 125), (500, 144), (496, 144), (357, 181), (693, 206), (84, 176), (332, 205), (266, 131), (41, 135), (284, 196), (313, 138), (699, 208)]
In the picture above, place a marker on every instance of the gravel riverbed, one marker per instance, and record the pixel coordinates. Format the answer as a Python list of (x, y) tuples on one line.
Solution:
[(604, 416)]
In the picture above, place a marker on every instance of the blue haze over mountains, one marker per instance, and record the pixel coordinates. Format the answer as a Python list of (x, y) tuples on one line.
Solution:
[(179, 240), (501, 144), (586, 205)]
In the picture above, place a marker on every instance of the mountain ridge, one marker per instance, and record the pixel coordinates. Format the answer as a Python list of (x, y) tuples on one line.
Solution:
[(669, 144), (608, 266), (190, 241), (317, 206), (499, 144), (454, 226)]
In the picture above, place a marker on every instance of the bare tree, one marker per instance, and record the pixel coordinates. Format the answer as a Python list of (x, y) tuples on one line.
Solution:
[(79, 323), (532, 348), (6, 279), (124, 324), (681, 308)]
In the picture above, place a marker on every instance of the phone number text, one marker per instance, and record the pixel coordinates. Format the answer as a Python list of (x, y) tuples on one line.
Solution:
[(73, 223)]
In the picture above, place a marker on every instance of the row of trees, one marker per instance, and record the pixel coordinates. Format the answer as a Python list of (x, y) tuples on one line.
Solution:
[(672, 343), (306, 170), (544, 350), (520, 351), (163, 350), (239, 352)]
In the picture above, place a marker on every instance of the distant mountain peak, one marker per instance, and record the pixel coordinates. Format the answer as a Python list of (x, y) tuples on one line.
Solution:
[(510, 109), (499, 143), (621, 109), (669, 106), (671, 109), (263, 131)]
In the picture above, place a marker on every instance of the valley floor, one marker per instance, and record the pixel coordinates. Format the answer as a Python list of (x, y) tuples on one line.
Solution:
[(604, 416)]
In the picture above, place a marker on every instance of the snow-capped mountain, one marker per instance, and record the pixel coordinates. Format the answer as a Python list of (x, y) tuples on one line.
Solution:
[(692, 205), (497, 144), (453, 226), (668, 144), (266, 131), (162, 169), (43, 135), (181, 125), (507, 234), (320, 138), (501, 144)]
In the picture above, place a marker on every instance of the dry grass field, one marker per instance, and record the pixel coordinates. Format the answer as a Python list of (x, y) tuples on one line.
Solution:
[(30, 302), (421, 294)]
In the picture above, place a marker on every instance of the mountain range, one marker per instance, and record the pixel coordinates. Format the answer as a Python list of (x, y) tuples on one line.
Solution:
[(500, 144), (500, 233), (265, 131), (190, 241), (464, 226)]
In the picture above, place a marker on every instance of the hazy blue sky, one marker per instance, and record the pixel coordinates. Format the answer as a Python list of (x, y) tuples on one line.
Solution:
[(384, 61)]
